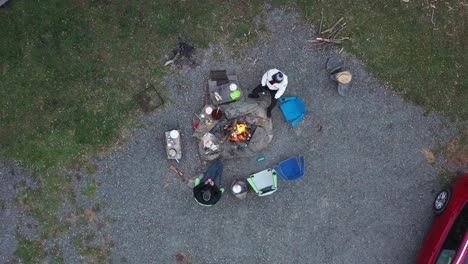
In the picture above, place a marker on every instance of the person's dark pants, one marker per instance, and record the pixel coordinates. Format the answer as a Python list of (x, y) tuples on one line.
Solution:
[(214, 173), (259, 89)]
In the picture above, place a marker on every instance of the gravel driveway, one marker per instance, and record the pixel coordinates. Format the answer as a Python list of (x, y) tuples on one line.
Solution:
[(365, 197)]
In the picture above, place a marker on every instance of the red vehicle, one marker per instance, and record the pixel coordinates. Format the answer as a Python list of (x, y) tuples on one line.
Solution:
[(447, 241)]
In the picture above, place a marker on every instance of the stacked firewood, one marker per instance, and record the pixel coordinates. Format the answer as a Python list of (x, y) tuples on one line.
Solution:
[(330, 36)]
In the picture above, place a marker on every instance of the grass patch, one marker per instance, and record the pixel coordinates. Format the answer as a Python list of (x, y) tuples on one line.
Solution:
[(82, 245), (30, 251), (216, 55), (3, 203), (45, 203), (90, 189), (99, 206), (110, 219), (56, 256), (455, 156), (446, 178), (399, 43), (86, 245), (243, 30), (91, 169), (456, 152)]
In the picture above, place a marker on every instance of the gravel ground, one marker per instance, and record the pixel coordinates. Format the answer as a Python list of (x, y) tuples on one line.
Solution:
[(365, 197), (11, 176), (8, 214)]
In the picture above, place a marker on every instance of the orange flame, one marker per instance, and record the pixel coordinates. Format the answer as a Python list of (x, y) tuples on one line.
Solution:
[(240, 132), (241, 128)]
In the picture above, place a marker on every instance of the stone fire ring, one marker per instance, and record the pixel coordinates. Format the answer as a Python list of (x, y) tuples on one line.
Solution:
[(254, 112)]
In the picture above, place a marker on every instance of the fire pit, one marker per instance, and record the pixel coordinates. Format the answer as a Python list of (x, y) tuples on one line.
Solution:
[(238, 131), (242, 131)]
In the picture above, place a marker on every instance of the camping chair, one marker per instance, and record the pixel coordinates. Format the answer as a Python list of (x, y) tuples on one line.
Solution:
[(293, 109), (291, 169), (264, 183)]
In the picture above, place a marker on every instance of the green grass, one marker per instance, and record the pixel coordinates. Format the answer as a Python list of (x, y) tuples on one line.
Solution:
[(3, 203), (398, 43), (90, 189), (29, 251), (86, 245), (35, 251), (70, 70), (45, 203), (56, 256), (446, 178), (216, 55), (91, 169)]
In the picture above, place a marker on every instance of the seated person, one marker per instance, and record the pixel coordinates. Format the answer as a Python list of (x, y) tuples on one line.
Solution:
[(207, 191)]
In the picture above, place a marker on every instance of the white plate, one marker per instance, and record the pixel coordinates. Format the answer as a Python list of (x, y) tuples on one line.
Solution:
[(233, 87), (174, 134), (208, 110)]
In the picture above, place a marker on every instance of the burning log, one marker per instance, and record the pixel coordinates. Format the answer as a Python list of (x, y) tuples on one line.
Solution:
[(237, 131)]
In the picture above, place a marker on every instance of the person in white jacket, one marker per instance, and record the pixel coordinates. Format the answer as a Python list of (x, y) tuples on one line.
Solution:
[(275, 82)]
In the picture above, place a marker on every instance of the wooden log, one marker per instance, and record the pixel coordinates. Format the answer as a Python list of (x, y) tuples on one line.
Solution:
[(333, 27), (176, 170), (337, 30)]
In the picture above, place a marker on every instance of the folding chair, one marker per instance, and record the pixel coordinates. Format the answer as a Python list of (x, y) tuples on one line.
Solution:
[(264, 183), (291, 169), (293, 109)]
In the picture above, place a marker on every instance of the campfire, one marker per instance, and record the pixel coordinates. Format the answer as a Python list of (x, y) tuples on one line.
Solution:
[(237, 131)]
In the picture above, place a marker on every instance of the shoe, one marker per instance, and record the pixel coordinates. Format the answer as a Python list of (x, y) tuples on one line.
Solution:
[(252, 96)]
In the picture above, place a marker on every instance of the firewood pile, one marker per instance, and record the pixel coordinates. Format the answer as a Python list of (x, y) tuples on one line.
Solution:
[(330, 36)]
